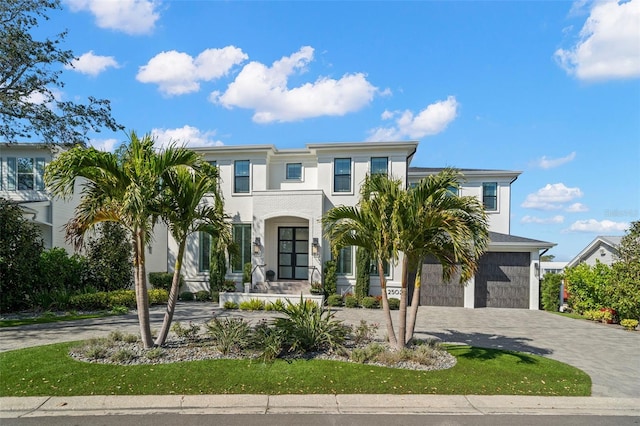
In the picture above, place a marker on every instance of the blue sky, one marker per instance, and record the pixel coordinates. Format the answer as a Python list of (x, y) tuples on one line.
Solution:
[(548, 88)]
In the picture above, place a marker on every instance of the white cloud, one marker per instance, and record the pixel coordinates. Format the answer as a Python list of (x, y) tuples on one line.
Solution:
[(185, 136), (545, 220), (602, 227), (265, 90), (608, 45), (577, 208), (104, 144), (129, 16), (91, 64), (177, 73), (549, 163), (551, 197), (430, 121)]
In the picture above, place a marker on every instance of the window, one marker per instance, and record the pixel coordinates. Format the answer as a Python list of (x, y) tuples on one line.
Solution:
[(213, 163), (379, 165), (204, 255), (490, 196), (373, 268), (25, 174), (344, 263), (241, 176), (242, 239), (294, 171), (453, 190), (342, 175), (11, 174)]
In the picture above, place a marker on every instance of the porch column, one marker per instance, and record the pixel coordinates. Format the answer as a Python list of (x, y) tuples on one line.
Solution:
[(470, 293), (534, 281)]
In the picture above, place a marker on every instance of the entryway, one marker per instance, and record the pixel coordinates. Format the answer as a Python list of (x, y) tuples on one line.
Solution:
[(293, 253)]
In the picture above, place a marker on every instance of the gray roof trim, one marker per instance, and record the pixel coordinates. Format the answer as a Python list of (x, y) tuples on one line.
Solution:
[(507, 240)]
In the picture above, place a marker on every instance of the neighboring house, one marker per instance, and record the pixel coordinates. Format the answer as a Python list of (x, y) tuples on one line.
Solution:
[(551, 268), (21, 181), (603, 249), (276, 199)]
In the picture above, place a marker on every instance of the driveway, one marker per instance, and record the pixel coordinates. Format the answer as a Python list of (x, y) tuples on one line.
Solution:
[(609, 354)]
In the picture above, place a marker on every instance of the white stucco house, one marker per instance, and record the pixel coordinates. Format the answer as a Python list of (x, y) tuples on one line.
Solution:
[(276, 199), (603, 249)]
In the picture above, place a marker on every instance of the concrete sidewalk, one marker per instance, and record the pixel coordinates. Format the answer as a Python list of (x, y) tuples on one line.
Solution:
[(472, 405)]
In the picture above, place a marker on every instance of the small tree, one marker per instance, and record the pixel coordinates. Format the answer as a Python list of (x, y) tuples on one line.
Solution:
[(551, 284), (110, 258), (20, 248), (363, 272), (624, 292), (330, 278)]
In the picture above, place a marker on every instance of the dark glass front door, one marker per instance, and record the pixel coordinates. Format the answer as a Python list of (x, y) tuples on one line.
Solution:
[(293, 253)]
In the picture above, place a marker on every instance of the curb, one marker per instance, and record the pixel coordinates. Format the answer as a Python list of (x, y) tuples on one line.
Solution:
[(18, 407)]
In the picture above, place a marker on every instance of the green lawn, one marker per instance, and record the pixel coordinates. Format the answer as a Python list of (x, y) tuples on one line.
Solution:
[(52, 318), (48, 370)]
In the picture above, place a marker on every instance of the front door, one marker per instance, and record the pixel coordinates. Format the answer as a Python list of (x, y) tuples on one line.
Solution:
[(293, 253)]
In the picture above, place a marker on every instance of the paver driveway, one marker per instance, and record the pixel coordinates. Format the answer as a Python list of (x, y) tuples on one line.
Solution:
[(609, 354)]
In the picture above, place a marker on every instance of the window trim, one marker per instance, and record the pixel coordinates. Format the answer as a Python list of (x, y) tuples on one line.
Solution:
[(294, 179), (236, 177), (350, 174), (494, 197)]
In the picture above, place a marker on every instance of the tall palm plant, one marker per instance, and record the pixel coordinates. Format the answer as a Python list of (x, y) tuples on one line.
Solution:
[(433, 220), (186, 210), (125, 187)]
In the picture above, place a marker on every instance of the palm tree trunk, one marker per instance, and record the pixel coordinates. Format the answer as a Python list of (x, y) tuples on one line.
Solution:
[(402, 327), (415, 302), (142, 297), (173, 296), (385, 304)]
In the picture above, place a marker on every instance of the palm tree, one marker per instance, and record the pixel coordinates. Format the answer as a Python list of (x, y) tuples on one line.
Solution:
[(434, 220), (186, 211), (125, 187), (368, 225)]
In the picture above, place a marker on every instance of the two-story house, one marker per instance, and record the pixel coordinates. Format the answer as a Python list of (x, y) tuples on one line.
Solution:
[(276, 199)]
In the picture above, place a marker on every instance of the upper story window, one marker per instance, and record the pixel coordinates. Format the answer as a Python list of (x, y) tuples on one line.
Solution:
[(241, 176), (213, 163), (453, 190), (490, 196), (379, 165), (25, 174), (342, 175), (294, 171)]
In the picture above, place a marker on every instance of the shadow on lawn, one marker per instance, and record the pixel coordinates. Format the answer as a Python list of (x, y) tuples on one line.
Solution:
[(489, 341)]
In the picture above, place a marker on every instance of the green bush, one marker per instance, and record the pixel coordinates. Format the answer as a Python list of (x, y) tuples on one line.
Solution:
[(394, 304), (369, 302), (364, 332), (350, 301), (158, 296), (629, 324), (363, 275), (330, 277), (246, 273), (187, 296), (307, 327), (252, 305), (587, 286), (229, 286), (163, 280), (215, 297), (230, 305), (189, 332), (551, 284), (203, 295), (230, 334), (334, 300), (277, 306), (267, 340), (109, 255), (59, 271)]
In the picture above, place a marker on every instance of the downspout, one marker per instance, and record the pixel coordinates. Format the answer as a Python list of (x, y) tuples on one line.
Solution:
[(406, 172)]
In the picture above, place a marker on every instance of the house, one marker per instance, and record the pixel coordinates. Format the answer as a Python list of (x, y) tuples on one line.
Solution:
[(603, 249), (551, 268), (276, 199), (21, 181)]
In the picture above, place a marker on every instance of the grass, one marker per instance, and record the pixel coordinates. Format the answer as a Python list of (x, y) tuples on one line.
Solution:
[(48, 370), (48, 318), (573, 315)]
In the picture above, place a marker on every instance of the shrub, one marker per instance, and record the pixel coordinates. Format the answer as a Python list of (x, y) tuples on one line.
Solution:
[(189, 332), (267, 340), (364, 332), (187, 296), (119, 310), (109, 256), (158, 296), (115, 336), (162, 280), (229, 286), (369, 302), (129, 338), (350, 301), (246, 273), (330, 277), (307, 327), (394, 304), (252, 305), (367, 354), (154, 353), (94, 349), (230, 305), (629, 324), (123, 355), (215, 297), (203, 295), (316, 288), (551, 284), (587, 286), (59, 271), (230, 334), (334, 300), (277, 306), (363, 276)]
